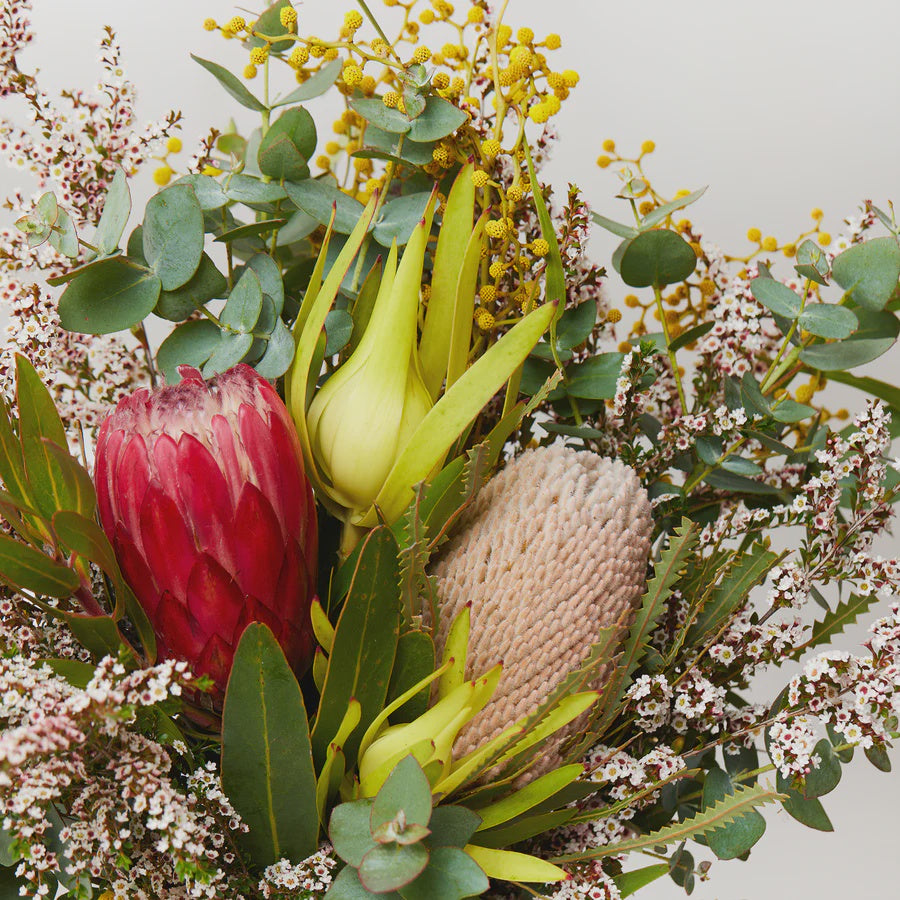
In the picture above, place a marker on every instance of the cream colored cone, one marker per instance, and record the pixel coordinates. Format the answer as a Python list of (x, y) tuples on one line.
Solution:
[(554, 548)]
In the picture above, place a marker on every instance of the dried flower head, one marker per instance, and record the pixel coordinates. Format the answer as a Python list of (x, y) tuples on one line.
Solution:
[(554, 549)]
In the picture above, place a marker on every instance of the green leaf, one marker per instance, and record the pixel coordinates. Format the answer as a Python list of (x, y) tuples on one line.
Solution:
[(788, 410), (438, 119), (576, 324), (394, 147), (231, 83), (365, 643), (116, 210), (415, 660), (350, 832), (555, 276), (387, 867), (812, 262), (451, 875), (529, 796), (877, 755), (269, 273), (887, 392), (876, 334), (736, 838), (655, 216), (657, 258), (28, 569), (38, 417), (399, 217), (241, 311), (279, 352), (726, 810), (828, 321), (347, 887), (110, 296), (314, 86), (267, 768), (741, 465), (835, 621), (249, 189), (189, 344), (317, 198), (750, 570), (728, 481), (776, 297), (173, 235), (689, 336), (229, 351), (251, 230), (596, 377), (373, 110), (269, 22), (623, 231), (64, 237), (338, 330), (209, 192), (869, 271), (806, 810), (452, 826), (288, 145), (207, 284), (825, 777), (406, 788), (631, 882)]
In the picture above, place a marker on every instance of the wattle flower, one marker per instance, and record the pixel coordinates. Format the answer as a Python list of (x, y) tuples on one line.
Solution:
[(202, 492)]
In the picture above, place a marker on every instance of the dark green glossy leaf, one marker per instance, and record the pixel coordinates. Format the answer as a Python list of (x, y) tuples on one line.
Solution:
[(314, 86), (807, 811), (267, 768), (229, 351), (741, 466), (241, 311), (231, 83), (752, 397), (208, 191), (349, 831), (407, 789), (279, 352), (438, 119), (596, 377), (776, 297), (317, 198), (523, 828), (388, 867), (365, 644), (878, 756), (399, 217), (338, 329), (28, 569), (828, 321), (576, 324), (207, 284), (869, 271), (738, 836), (288, 145), (658, 257), (451, 875), (116, 210), (190, 344), (826, 776), (373, 110), (173, 235), (452, 826), (110, 296), (691, 335), (415, 660)]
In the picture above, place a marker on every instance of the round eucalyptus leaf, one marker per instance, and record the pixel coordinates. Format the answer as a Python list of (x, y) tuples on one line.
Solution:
[(190, 344), (399, 218), (279, 352), (230, 350), (657, 258), (244, 305), (318, 198), (207, 284), (739, 835), (388, 867), (338, 330), (64, 238), (869, 271), (373, 110), (111, 296), (438, 118), (287, 146), (173, 235), (776, 297), (269, 274), (828, 321), (209, 192)]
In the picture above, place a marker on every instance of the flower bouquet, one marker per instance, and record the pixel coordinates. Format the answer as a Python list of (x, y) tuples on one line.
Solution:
[(392, 559)]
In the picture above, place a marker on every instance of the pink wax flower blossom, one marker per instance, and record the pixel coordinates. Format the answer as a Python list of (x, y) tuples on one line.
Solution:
[(202, 492)]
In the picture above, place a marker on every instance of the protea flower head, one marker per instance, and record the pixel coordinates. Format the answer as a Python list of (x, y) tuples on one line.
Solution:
[(553, 549), (202, 493)]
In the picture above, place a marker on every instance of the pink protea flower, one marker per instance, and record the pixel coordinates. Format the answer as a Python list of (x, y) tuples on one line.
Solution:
[(202, 492)]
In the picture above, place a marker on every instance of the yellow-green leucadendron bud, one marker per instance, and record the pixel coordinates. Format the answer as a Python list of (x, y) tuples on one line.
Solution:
[(369, 408), (553, 550)]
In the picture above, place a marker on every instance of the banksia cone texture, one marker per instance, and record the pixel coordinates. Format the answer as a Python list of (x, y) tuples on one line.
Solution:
[(202, 493), (553, 549)]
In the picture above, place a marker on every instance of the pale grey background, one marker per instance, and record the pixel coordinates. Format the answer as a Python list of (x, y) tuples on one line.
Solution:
[(778, 106)]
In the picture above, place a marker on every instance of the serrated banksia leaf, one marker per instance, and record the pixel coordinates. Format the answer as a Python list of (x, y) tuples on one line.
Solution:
[(553, 549), (201, 491)]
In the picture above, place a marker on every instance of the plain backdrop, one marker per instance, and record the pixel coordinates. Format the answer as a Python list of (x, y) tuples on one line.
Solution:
[(778, 106)]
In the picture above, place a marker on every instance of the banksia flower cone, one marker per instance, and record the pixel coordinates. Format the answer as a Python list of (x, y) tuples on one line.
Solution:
[(202, 493), (553, 549)]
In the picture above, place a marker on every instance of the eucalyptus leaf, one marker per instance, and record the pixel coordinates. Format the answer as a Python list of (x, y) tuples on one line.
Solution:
[(655, 216), (596, 377), (269, 22), (451, 875), (576, 324), (279, 352), (338, 330), (738, 836), (396, 147), (373, 110), (249, 189), (190, 344), (314, 86), (207, 284), (64, 237), (399, 218), (244, 304), (790, 411), (776, 297), (623, 231), (438, 119), (828, 321), (231, 83), (173, 235), (318, 198), (657, 257), (869, 271), (407, 789), (824, 778), (812, 262), (387, 867), (229, 351), (249, 231), (877, 333), (116, 210), (288, 145), (209, 192)]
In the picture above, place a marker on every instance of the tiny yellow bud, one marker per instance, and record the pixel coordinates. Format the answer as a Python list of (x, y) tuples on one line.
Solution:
[(553, 42), (488, 293), (648, 147), (789, 250), (613, 316), (754, 234), (480, 178), (524, 35), (842, 414), (323, 162), (490, 148), (162, 176), (571, 79), (236, 24), (625, 347), (539, 113), (514, 194), (631, 301), (421, 55), (496, 229), (367, 85), (769, 244), (211, 170), (707, 287), (824, 238), (609, 145), (391, 99), (249, 71), (804, 393), (603, 161), (258, 55), (540, 247), (330, 54), (426, 17), (210, 24), (817, 214), (645, 207), (484, 319), (332, 147), (173, 145), (475, 15), (288, 17), (504, 33)]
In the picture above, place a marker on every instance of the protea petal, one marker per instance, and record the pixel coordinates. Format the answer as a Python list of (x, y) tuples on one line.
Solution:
[(257, 562)]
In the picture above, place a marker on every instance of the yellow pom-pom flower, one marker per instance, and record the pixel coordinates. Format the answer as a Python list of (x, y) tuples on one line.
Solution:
[(421, 55), (603, 161), (288, 17), (491, 148), (553, 42), (514, 194), (824, 238), (163, 175), (613, 316), (631, 301), (648, 147), (484, 319), (210, 24), (173, 145), (440, 81), (571, 77), (769, 243), (496, 229), (475, 15), (391, 99), (496, 269), (352, 75), (353, 20), (539, 113), (540, 247), (249, 71), (754, 234), (480, 178), (609, 145), (426, 17), (323, 162), (488, 293), (299, 57), (258, 55), (817, 214), (236, 24), (524, 35)]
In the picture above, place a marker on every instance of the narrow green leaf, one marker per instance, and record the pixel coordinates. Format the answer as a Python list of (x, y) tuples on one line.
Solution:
[(28, 569), (116, 210), (231, 83), (529, 796), (631, 882), (887, 392), (314, 86), (617, 228), (555, 276), (267, 768), (655, 216), (415, 660)]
